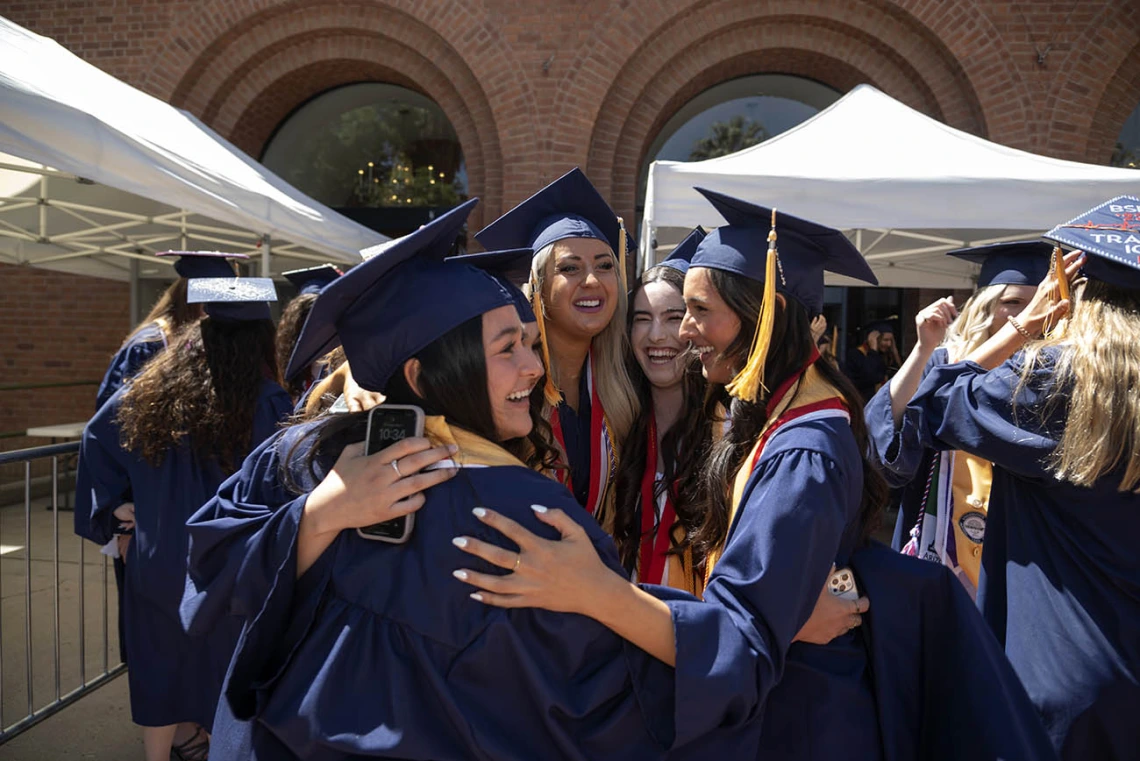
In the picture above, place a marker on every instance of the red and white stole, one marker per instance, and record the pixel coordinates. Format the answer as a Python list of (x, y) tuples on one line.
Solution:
[(603, 457), (654, 553)]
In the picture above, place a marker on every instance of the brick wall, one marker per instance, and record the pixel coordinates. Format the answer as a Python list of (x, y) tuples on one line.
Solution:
[(57, 328)]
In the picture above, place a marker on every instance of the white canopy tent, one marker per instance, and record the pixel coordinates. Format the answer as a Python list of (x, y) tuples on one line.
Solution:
[(94, 173), (906, 187)]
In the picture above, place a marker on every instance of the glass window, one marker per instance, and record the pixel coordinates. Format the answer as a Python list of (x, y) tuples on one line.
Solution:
[(384, 155), (1127, 152)]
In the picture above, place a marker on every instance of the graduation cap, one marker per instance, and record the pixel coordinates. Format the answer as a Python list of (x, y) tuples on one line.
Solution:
[(1110, 235), (880, 326), (511, 268), (1022, 262), (232, 299), (204, 263), (806, 251), (569, 207), (388, 308), (312, 279), (680, 257)]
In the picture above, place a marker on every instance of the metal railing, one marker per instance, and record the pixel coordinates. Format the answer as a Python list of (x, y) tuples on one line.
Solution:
[(73, 674)]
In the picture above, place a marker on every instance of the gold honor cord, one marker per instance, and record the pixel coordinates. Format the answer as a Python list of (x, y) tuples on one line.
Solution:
[(748, 382)]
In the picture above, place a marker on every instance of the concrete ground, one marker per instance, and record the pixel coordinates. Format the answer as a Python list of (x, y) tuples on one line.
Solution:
[(98, 725)]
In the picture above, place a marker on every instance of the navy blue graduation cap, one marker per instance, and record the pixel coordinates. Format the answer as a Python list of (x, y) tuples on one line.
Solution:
[(680, 257), (388, 308), (312, 279), (511, 268), (1022, 262), (1110, 235), (231, 298), (747, 246), (204, 263), (881, 326)]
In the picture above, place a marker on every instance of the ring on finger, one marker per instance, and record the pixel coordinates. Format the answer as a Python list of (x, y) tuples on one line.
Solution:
[(518, 562), (396, 467)]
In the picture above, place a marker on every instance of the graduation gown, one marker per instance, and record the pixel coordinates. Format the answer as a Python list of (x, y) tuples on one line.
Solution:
[(147, 341), (173, 677), (585, 438), (797, 513), (867, 371), (378, 651), (1060, 582)]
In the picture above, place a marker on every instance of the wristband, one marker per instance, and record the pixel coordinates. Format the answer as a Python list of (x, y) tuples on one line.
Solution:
[(1019, 328)]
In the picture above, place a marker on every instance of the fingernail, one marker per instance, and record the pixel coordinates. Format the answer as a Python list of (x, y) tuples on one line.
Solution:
[(452, 448), (538, 508), (459, 541), (461, 575), (479, 512), (477, 597)]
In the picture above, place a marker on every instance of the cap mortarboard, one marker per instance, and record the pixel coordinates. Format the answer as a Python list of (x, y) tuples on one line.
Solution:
[(880, 326), (1110, 235), (680, 257), (1022, 262), (386, 309), (511, 268), (747, 246), (312, 279), (232, 298), (204, 263)]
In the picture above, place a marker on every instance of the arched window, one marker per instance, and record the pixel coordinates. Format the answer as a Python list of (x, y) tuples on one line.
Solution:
[(735, 115), (1127, 152), (382, 154)]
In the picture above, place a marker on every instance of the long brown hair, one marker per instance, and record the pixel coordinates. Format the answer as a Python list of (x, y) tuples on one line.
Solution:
[(791, 347), (453, 382), (684, 447), (1099, 361), (201, 392), (171, 310), (288, 329)]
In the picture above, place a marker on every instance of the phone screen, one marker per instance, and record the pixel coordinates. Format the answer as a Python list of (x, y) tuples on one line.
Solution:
[(386, 426)]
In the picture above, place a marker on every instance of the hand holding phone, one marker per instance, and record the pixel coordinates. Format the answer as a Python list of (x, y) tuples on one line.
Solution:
[(387, 425), (841, 583)]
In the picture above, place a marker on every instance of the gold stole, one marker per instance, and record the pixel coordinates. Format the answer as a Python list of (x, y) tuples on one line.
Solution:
[(473, 449)]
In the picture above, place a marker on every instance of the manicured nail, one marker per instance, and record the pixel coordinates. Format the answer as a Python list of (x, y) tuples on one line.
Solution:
[(479, 512), (538, 508), (459, 541), (477, 597), (452, 448), (461, 575)]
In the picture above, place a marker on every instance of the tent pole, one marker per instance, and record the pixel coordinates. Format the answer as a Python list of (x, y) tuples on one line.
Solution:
[(265, 253), (43, 207), (135, 317), (183, 241)]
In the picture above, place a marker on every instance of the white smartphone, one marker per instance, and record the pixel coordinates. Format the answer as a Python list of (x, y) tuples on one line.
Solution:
[(841, 583), (388, 424)]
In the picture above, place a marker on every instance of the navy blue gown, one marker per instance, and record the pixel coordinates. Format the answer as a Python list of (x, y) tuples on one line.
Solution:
[(1060, 581), (798, 514), (147, 341), (173, 677), (378, 651), (899, 452)]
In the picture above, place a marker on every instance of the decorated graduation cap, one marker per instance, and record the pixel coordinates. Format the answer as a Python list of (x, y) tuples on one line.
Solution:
[(1110, 236), (386, 309), (312, 279), (569, 207), (747, 246), (680, 257), (204, 263), (1022, 262), (232, 299), (511, 268)]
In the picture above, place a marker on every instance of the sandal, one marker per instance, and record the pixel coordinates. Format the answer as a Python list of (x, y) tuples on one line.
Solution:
[(197, 748)]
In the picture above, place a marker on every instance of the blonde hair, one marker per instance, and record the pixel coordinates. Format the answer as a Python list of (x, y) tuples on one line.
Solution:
[(972, 327), (609, 350), (1100, 362)]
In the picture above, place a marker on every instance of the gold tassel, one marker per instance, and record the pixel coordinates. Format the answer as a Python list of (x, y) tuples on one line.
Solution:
[(1058, 330), (748, 382), (622, 254), (550, 389)]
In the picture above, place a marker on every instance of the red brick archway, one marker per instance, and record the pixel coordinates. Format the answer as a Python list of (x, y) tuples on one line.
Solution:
[(1119, 98)]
